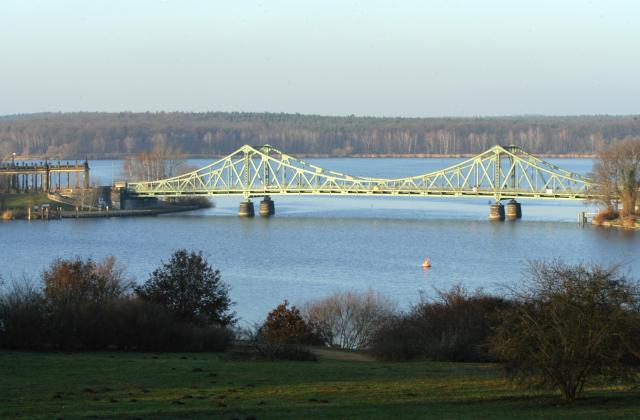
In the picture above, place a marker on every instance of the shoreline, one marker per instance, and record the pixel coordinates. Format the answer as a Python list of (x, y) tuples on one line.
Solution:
[(332, 156), (618, 224), (21, 213)]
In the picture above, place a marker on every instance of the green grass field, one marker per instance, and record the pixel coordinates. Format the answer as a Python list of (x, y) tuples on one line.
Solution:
[(24, 200), (202, 385)]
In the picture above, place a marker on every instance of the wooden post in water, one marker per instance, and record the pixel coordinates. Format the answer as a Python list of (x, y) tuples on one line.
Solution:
[(582, 218)]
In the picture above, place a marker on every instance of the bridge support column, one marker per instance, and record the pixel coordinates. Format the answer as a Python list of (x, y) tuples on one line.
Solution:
[(496, 212), (267, 207), (47, 178), (246, 209), (514, 210), (85, 177)]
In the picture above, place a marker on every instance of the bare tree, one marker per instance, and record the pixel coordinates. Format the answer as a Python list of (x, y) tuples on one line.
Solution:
[(348, 320), (570, 324), (617, 173), (163, 161)]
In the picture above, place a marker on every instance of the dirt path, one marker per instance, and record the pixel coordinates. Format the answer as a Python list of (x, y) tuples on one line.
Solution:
[(350, 356)]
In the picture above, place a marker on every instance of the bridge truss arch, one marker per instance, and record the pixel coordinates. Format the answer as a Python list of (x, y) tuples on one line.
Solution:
[(500, 172)]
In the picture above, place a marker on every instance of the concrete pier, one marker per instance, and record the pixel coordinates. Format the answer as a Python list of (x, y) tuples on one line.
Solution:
[(267, 207), (496, 212), (246, 209), (514, 210)]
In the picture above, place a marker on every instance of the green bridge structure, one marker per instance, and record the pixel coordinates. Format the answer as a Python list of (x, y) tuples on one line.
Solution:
[(501, 173)]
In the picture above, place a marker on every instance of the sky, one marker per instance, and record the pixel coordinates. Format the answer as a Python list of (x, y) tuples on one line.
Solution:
[(374, 58)]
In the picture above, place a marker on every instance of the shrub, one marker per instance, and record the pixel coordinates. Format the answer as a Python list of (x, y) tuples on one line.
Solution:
[(605, 214), (285, 325), (23, 323), (287, 352), (78, 280), (212, 338), (281, 351), (454, 327), (80, 296), (148, 326), (396, 339), (190, 289), (84, 305), (348, 320), (571, 324), (283, 335)]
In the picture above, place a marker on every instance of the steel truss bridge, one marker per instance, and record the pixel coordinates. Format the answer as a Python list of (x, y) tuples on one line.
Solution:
[(501, 172)]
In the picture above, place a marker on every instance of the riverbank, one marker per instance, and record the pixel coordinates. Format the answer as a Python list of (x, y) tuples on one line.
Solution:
[(204, 385), (23, 214), (611, 219), (28, 199), (16, 207), (628, 223), (126, 213)]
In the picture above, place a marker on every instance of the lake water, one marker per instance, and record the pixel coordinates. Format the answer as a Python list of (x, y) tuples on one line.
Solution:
[(318, 245)]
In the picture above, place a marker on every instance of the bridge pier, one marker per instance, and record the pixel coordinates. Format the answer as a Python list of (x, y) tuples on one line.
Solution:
[(267, 207), (514, 210), (496, 212), (246, 209)]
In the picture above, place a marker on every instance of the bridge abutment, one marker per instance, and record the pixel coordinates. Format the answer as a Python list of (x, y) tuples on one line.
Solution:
[(267, 207), (496, 212), (246, 209)]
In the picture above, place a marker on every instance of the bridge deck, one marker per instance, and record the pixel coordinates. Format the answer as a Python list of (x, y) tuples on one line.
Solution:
[(389, 193)]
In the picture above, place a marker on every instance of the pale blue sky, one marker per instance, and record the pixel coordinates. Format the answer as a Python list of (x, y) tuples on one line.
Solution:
[(391, 58)]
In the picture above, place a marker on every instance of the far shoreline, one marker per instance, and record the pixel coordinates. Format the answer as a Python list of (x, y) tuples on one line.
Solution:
[(331, 156)]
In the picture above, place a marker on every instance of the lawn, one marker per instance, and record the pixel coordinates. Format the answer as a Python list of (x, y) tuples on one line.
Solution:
[(24, 200), (203, 385)]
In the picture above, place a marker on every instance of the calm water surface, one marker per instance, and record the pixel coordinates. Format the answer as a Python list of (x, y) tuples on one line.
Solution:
[(317, 245)]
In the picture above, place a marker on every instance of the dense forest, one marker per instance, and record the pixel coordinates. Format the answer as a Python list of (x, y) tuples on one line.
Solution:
[(104, 135)]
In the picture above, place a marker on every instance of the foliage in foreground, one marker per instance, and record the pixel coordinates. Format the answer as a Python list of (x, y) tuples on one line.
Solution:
[(88, 305), (191, 289), (453, 327), (571, 324), (348, 320), (283, 335)]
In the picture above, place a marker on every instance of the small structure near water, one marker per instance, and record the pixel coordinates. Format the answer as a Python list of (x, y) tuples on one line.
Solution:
[(43, 176)]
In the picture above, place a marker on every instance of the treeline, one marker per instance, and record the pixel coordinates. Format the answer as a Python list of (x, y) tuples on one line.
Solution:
[(105, 135)]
